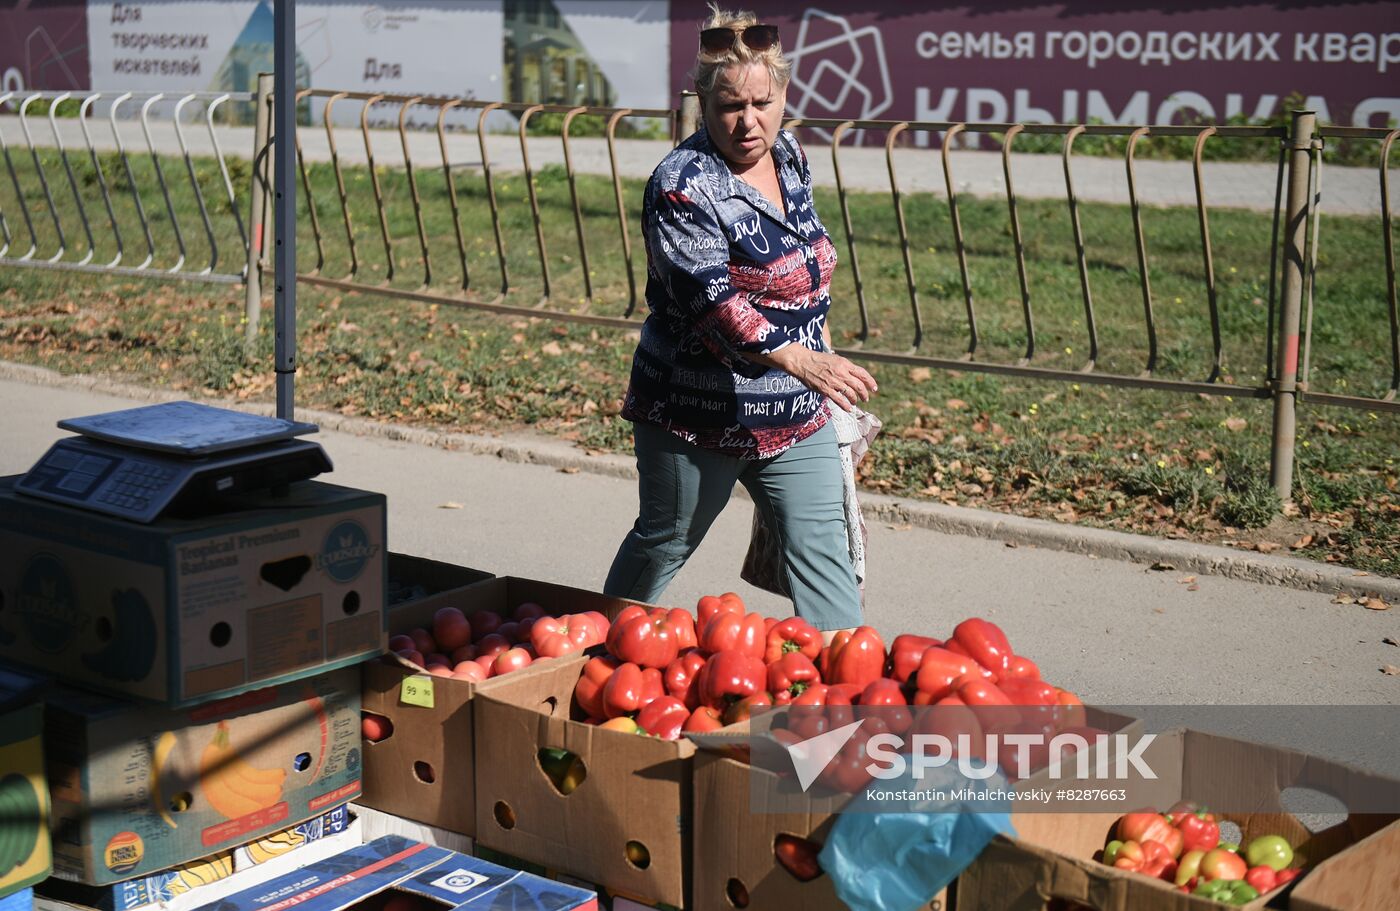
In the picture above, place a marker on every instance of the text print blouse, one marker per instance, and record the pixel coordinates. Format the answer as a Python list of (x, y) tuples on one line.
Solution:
[(728, 274)]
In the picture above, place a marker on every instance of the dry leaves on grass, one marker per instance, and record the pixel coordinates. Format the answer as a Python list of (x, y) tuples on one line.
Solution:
[(449, 505)]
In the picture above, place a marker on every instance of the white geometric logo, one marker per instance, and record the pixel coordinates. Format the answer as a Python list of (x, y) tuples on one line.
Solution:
[(459, 881), (811, 756), (827, 69)]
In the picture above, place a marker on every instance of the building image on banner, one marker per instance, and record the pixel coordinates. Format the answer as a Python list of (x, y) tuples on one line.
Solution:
[(544, 61)]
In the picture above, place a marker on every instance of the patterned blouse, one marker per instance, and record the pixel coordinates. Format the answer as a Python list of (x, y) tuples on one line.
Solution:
[(729, 274)]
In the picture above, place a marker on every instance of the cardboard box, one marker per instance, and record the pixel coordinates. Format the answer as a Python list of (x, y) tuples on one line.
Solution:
[(626, 825), (1051, 858), (736, 843), (191, 885), (25, 856), (425, 770), (139, 788), (417, 579), (187, 610), (1363, 877), (377, 824), (606, 899), (389, 868)]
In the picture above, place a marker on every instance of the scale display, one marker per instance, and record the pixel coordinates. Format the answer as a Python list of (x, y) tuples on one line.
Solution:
[(140, 463)]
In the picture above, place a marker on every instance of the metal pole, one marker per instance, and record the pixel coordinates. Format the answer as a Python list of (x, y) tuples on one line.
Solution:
[(690, 114), (1295, 237), (252, 290), (284, 58)]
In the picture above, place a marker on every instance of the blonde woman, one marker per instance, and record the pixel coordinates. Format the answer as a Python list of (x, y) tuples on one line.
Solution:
[(733, 374)]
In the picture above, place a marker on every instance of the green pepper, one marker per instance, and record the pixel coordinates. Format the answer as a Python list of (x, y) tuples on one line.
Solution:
[(1110, 851), (1228, 891)]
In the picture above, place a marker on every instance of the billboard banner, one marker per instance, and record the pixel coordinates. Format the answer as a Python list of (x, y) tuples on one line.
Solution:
[(1081, 62), (43, 46)]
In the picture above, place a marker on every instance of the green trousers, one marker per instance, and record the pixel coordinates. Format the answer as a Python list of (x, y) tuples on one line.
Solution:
[(683, 488)]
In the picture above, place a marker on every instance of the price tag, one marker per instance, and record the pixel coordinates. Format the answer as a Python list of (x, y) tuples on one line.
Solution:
[(417, 691)]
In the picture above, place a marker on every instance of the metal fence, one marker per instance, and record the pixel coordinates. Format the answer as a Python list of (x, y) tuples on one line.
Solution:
[(113, 212), (379, 253)]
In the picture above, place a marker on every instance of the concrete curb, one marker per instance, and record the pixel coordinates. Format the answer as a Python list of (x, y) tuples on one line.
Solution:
[(1098, 543)]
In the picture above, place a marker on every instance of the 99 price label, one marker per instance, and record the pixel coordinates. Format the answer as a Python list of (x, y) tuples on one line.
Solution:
[(417, 691)]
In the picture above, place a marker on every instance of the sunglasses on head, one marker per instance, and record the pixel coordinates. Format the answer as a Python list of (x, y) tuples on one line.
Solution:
[(723, 39)]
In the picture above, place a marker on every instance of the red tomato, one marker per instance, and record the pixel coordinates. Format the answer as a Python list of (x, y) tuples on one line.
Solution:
[(422, 640), (529, 610), (400, 642), (451, 629), (512, 660), (492, 645), (484, 623), (469, 670), (375, 728)]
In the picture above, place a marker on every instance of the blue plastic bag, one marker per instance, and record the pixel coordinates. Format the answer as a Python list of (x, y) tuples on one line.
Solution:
[(898, 859)]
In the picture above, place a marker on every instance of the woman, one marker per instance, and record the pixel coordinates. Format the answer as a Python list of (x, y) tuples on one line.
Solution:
[(733, 374)]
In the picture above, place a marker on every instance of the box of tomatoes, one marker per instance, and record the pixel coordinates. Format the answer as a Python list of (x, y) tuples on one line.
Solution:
[(1209, 828), (420, 744), (138, 788), (24, 799)]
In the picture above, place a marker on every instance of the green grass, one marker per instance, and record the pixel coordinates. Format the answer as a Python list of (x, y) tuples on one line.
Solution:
[(1145, 461)]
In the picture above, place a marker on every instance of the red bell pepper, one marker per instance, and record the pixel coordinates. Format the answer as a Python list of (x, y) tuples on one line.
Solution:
[(710, 605), (1069, 711), (986, 644), (1199, 831), (629, 689), (681, 676), (856, 657), (840, 703), (588, 693), (790, 676), (792, 635), (742, 709), (1021, 668), (993, 707), (664, 717), (1147, 857), (938, 668), (1148, 825), (884, 698), (643, 639), (905, 654), (807, 713), (554, 637), (703, 720), (734, 632), (847, 772), (729, 676), (682, 623), (798, 856)]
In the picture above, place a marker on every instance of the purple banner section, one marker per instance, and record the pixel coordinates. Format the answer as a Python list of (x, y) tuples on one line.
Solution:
[(43, 45), (1080, 62)]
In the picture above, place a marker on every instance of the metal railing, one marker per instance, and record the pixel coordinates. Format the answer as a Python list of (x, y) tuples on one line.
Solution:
[(144, 236)]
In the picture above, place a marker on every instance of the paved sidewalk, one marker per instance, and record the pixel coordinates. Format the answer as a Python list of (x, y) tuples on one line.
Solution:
[(1244, 185), (1117, 632)]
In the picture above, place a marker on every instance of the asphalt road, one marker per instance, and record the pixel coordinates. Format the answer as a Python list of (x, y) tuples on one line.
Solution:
[(1115, 632)]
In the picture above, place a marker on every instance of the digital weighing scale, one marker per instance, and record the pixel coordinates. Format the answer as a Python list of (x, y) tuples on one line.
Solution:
[(176, 457)]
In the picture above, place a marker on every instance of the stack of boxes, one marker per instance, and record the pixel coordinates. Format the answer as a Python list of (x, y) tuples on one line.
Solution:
[(204, 718)]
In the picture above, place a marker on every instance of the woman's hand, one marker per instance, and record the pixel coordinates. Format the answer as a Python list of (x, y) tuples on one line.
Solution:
[(844, 382)]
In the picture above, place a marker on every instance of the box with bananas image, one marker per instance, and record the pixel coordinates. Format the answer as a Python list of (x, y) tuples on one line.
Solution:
[(137, 788), (24, 800)]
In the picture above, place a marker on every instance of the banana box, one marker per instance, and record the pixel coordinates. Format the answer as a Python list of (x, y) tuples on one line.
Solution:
[(193, 608), (187, 886), (24, 798), (138, 789)]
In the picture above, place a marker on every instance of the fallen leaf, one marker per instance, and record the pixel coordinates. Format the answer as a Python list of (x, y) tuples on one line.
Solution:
[(1343, 599), (1159, 610), (956, 404), (449, 505), (920, 374), (1235, 425), (1361, 573), (1012, 544), (1193, 588), (899, 527), (1267, 547), (1390, 670), (552, 349), (568, 469), (1389, 641), (1162, 567), (1375, 604), (1186, 580), (1302, 542)]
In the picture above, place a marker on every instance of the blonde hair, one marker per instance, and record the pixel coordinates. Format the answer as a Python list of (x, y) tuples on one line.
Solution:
[(711, 69)]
